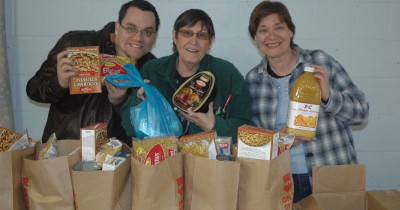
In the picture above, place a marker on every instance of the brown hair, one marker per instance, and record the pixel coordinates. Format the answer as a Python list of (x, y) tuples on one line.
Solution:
[(190, 18), (142, 5), (266, 8)]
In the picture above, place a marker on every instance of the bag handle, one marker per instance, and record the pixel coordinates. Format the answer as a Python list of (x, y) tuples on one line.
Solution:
[(132, 79)]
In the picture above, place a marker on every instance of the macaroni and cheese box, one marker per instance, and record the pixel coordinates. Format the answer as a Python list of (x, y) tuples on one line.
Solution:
[(113, 64), (87, 61)]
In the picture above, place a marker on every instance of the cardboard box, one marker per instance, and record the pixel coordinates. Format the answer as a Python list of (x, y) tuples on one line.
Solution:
[(256, 142), (87, 62), (92, 137), (383, 199), (343, 187), (336, 187)]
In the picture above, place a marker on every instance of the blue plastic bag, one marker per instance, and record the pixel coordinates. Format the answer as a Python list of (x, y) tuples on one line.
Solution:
[(152, 117)]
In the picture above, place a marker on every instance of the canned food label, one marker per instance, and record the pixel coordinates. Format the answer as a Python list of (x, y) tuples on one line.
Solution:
[(195, 91)]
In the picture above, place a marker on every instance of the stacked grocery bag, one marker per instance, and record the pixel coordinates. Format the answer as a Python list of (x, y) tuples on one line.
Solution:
[(162, 170), (199, 171), (13, 148)]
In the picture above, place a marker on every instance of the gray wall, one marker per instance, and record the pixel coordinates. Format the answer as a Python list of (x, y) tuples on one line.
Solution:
[(364, 35)]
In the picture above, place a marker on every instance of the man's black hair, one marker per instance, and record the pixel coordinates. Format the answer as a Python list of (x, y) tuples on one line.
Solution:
[(142, 5)]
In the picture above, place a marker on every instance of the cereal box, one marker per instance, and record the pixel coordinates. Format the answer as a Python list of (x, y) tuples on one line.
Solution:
[(259, 143), (112, 64), (86, 60)]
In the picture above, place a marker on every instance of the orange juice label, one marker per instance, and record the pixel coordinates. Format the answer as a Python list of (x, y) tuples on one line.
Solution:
[(302, 116)]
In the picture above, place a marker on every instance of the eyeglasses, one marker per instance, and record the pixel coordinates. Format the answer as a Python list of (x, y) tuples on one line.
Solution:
[(189, 33), (132, 30)]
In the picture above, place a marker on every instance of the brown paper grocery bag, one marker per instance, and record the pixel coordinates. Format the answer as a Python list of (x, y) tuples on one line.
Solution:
[(103, 189), (47, 183), (210, 184), (266, 184), (158, 187), (11, 194)]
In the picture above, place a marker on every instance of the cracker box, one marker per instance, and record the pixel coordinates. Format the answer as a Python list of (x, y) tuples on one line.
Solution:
[(87, 61), (112, 163), (259, 143), (92, 137), (112, 64)]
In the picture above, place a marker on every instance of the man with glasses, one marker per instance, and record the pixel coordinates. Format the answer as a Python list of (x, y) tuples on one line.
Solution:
[(133, 35)]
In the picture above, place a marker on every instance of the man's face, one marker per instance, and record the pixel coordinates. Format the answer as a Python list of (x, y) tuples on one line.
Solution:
[(136, 34)]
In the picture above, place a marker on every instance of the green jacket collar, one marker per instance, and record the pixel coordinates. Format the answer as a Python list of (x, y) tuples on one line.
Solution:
[(204, 64)]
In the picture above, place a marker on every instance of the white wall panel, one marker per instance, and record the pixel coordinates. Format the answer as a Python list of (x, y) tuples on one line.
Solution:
[(363, 35)]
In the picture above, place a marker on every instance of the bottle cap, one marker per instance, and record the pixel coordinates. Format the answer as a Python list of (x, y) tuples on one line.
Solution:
[(309, 69)]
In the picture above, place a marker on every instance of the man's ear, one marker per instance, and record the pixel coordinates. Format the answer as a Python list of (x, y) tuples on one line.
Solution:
[(116, 28)]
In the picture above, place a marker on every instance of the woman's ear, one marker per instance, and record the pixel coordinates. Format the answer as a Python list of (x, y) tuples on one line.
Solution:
[(211, 42), (174, 36)]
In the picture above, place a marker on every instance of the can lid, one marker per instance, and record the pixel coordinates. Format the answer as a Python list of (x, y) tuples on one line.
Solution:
[(86, 166), (223, 157), (309, 69)]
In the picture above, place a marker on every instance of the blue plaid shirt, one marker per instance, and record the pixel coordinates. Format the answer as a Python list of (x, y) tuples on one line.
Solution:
[(346, 106)]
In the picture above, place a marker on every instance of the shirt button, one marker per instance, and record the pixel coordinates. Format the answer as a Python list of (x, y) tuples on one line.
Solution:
[(310, 154)]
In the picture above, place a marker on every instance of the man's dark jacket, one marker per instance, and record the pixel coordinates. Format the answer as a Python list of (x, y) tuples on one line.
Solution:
[(68, 113)]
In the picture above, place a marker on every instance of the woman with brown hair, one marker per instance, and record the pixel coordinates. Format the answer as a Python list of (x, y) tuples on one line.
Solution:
[(270, 82)]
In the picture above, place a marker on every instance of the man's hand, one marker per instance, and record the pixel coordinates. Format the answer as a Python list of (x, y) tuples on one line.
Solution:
[(205, 121), (65, 69), (140, 93), (116, 95)]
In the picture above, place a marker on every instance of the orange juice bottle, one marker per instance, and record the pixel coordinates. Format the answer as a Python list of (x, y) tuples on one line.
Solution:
[(304, 102)]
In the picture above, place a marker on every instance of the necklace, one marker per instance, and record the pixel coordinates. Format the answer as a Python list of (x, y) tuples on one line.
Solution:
[(272, 73)]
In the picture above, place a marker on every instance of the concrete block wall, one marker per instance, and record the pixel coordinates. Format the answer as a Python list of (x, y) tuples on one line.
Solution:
[(364, 35)]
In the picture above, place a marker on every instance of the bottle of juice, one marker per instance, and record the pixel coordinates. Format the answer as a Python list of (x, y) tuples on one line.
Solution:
[(304, 102)]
